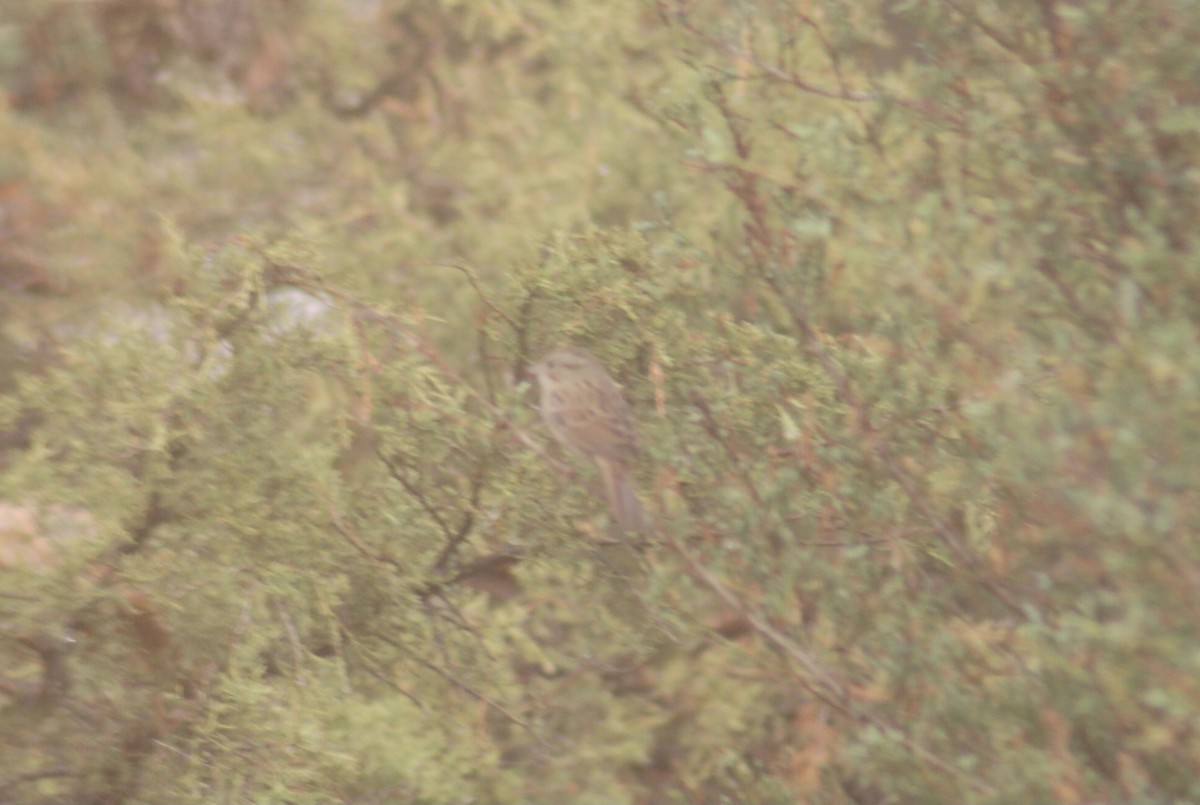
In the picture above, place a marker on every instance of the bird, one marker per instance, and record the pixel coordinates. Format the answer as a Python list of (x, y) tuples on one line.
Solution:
[(586, 413)]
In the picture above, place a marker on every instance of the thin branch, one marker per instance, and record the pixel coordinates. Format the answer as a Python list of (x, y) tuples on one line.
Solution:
[(356, 543), (347, 636), (470, 690), (471, 278), (822, 683), (829, 689), (468, 522), (789, 78), (431, 510)]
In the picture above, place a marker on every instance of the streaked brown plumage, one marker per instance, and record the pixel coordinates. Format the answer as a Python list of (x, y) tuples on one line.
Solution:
[(586, 412)]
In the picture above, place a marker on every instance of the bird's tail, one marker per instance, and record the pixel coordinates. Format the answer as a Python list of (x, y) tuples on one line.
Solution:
[(622, 496)]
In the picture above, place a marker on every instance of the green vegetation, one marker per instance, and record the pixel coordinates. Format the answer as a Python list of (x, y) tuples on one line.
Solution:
[(904, 293)]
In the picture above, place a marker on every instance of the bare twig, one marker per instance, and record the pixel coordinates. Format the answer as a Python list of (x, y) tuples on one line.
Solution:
[(471, 278)]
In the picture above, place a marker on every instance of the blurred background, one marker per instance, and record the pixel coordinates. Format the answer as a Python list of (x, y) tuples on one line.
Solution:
[(904, 295)]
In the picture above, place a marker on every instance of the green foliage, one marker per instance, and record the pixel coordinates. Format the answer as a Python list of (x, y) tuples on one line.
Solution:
[(902, 293)]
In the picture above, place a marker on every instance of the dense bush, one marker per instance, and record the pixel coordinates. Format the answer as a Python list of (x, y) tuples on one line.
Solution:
[(903, 294)]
